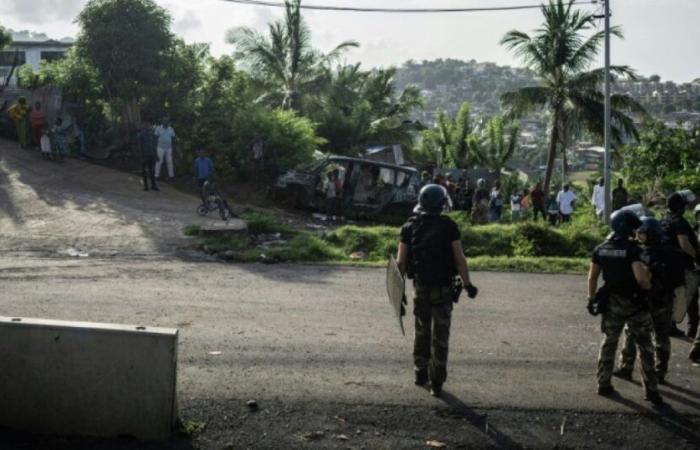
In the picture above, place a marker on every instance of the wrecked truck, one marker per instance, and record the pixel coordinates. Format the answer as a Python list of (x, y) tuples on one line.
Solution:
[(369, 188)]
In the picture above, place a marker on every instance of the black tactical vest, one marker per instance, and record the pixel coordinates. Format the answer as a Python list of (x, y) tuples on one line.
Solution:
[(430, 257), (615, 258)]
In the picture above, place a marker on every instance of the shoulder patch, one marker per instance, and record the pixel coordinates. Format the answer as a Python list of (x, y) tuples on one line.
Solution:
[(612, 253)]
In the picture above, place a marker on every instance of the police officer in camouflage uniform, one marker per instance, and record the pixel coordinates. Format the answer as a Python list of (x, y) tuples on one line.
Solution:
[(431, 253), (665, 263), (682, 236), (622, 301)]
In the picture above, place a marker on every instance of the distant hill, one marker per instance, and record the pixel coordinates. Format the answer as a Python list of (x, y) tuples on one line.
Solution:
[(446, 83)]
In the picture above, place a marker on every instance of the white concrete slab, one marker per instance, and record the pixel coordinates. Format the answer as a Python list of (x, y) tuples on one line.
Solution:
[(92, 379)]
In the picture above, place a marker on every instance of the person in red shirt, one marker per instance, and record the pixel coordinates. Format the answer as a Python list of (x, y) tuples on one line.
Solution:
[(537, 201), (37, 118)]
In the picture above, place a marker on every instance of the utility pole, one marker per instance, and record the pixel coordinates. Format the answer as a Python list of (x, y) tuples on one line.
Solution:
[(608, 162)]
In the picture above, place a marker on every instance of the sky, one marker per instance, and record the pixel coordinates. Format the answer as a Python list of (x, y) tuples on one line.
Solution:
[(661, 36)]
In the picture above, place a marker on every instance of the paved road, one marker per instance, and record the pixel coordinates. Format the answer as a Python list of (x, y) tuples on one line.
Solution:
[(316, 346)]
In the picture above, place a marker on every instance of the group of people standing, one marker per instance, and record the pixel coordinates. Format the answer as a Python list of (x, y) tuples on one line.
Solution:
[(651, 283), (619, 198), (156, 144), (484, 204), (34, 131)]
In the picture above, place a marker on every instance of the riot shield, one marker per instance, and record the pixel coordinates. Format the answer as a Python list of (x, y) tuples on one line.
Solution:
[(395, 288), (680, 304)]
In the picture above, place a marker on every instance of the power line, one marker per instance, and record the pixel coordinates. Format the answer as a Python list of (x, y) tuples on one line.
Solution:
[(400, 10)]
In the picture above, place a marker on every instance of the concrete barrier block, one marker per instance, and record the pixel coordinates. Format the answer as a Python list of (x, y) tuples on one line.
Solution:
[(87, 379)]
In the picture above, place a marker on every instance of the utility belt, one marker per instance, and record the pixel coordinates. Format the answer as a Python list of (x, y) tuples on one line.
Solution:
[(627, 292), (451, 289)]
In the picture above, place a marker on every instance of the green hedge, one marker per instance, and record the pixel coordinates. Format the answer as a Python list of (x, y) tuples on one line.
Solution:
[(527, 240)]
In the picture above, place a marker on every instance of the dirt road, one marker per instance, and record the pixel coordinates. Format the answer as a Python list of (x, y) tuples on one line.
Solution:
[(315, 346)]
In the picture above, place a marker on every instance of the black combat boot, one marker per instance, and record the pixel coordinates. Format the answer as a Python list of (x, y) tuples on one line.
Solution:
[(654, 397), (606, 391), (421, 377), (624, 373), (436, 389), (694, 354)]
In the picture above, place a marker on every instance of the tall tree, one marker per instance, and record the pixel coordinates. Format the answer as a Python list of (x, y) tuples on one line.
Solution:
[(127, 42), (561, 53), (5, 38), (5, 41), (355, 109), (284, 61)]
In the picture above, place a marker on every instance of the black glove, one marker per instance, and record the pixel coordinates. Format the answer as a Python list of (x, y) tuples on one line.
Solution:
[(472, 291), (592, 306), (404, 302)]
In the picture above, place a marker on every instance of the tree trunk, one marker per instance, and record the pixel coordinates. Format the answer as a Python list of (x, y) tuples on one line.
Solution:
[(552, 153)]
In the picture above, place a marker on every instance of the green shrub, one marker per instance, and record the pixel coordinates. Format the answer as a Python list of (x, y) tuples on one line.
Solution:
[(529, 264), (191, 230), (531, 239), (377, 242), (306, 248), (489, 240), (264, 223), (222, 244)]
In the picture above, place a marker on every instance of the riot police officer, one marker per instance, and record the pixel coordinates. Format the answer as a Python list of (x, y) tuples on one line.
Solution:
[(431, 253), (680, 234), (666, 266), (621, 301)]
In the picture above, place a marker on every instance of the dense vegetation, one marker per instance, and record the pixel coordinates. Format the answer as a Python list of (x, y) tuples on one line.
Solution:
[(521, 247), (276, 86), (291, 95)]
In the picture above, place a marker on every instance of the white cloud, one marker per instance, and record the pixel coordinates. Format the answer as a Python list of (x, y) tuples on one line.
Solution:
[(189, 21), (37, 12)]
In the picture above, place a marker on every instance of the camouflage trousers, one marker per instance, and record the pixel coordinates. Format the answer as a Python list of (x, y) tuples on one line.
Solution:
[(621, 311), (433, 314), (661, 318)]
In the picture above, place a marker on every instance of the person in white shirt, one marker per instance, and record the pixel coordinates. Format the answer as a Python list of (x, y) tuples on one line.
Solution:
[(515, 200), (565, 200), (165, 134), (598, 199), (45, 143)]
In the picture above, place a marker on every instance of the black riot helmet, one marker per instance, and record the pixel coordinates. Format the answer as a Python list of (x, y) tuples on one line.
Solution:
[(652, 228), (431, 200), (623, 223)]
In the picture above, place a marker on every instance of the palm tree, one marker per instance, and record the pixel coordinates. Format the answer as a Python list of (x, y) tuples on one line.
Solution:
[(356, 108), (283, 60), (560, 54), (497, 145), (451, 141)]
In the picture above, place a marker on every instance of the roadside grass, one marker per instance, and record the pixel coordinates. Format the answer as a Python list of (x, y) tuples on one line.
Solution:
[(191, 230), (524, 247), (265, 223)]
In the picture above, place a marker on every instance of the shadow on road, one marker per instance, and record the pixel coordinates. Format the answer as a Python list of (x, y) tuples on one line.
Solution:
[(7, 204), (479, 421), (675, 396), (665, 417), (683, 390)]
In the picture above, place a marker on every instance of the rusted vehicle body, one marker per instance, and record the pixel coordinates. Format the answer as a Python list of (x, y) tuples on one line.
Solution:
[(369, 188)]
